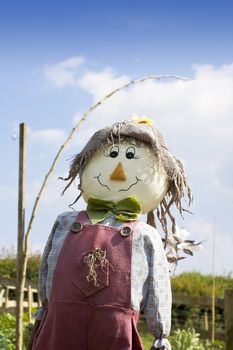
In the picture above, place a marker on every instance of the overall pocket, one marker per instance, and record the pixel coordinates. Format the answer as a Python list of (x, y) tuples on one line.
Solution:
[(92, 272)]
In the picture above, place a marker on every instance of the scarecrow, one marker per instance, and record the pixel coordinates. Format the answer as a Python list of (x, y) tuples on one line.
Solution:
[(102, 267)]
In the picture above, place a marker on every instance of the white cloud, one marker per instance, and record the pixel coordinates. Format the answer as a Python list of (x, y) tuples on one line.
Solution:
[(65, 72), (83, 134), (98, 84), (47, 135), (68, 72), (52, 194), (195, 116)]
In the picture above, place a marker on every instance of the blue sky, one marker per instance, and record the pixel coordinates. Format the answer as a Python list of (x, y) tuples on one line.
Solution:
[(160, 33), (99, 45)]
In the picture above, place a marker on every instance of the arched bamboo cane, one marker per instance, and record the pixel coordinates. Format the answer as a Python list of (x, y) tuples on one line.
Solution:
[(92, 108)]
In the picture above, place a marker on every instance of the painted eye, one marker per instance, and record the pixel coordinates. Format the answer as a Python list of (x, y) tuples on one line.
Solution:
[(114, 151), (130, 153)]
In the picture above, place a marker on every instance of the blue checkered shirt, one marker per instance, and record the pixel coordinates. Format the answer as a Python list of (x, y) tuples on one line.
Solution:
[(150, 280)]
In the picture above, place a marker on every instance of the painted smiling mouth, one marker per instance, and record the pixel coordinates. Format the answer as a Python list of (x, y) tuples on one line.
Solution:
[(98, 178), (122, 190), (135, 183)]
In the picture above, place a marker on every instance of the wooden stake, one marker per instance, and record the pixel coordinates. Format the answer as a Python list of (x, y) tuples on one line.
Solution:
[(206, 320), (21, 232)]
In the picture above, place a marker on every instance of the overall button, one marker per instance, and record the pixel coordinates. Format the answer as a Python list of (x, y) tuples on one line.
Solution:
[(125, 231), (76, 227)]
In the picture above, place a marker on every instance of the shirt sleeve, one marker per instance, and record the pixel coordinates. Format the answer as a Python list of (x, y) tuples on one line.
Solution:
[(43, 273), (159, 301)]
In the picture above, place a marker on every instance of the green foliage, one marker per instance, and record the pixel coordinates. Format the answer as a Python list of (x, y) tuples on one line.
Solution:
[(218, 345), (186, 340), (194, 283), (7, 332), (8, 267), (33, 268)]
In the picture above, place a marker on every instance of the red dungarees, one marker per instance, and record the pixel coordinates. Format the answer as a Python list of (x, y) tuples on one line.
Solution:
[(90, 305)]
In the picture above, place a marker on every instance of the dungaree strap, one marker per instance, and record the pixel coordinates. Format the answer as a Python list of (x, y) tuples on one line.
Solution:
[(83, 218)]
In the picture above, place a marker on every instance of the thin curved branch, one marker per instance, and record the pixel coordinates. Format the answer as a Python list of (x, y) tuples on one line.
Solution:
[(73, 131)]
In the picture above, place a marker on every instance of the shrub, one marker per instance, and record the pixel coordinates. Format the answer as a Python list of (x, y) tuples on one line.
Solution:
[(7, 332), (194, 283), (186, 340), (8, 268)]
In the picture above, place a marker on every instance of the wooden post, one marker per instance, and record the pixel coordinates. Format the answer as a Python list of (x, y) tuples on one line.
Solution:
[(228, 315), (6, 297), (206, 324), (21, 232), (2, 298), (30, 304)]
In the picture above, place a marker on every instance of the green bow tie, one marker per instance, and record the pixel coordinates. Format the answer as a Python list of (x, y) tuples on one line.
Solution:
[(127, 209)]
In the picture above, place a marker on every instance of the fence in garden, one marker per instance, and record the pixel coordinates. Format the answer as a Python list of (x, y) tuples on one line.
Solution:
[(193, 311), (8, 296)]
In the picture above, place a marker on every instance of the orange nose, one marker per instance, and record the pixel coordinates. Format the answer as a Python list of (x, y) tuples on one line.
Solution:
[(118, 173)]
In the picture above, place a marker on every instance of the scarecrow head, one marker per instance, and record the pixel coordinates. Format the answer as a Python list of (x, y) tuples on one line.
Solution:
[(131, 159)]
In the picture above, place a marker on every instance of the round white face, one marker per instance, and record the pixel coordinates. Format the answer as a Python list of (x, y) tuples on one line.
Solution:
[(124, 170)]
